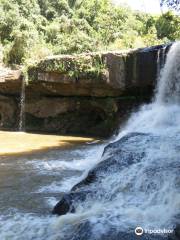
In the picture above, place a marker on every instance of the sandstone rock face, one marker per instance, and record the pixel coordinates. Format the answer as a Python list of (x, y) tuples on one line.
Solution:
[(108, 74), (99, 75), (71, 115), (10, 81), (86, 94), (10, 91), (8, 112)]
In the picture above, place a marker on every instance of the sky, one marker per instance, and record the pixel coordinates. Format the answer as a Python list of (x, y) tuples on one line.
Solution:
[(149, 6)]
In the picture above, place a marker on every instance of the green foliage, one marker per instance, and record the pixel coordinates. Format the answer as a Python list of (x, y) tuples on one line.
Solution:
[(68, 36), (90, 67), (53, 9), (168, 25), (33, 29)]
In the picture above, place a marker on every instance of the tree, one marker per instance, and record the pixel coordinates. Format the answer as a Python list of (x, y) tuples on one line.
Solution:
[(75, 3), (168, 26), (32, 29)]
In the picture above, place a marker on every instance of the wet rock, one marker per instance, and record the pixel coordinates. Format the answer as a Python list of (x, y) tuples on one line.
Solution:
[(104, 183), (66, 204), (176, 234), (116, 156)]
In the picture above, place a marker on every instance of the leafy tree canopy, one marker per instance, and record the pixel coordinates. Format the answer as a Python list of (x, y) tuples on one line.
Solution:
[(32, 29)]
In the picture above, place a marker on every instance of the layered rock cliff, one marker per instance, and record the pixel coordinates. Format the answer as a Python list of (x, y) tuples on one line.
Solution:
[(86, 94)]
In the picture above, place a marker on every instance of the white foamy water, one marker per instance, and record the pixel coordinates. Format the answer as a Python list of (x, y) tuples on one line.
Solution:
[(163, 115), (146, 193), (22, 106), (64, 185), (49, 175), (28, 226), (82, 161)]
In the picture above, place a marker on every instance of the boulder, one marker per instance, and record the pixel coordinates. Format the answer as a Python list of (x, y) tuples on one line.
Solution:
[(115, 157), (107, 184)]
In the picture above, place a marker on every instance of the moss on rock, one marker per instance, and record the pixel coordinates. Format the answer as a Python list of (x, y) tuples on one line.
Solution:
[(77, 66)]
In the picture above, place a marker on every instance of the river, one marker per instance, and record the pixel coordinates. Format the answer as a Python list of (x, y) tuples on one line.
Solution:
[(35, 170), (136, 184)]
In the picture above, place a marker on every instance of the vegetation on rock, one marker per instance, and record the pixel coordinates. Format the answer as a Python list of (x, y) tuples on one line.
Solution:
[(90, 66)]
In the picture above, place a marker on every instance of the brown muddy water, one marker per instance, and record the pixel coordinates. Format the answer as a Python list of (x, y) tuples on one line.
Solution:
[(35, 170)]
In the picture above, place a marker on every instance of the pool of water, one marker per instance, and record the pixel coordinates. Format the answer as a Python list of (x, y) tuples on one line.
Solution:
[(32, 182)]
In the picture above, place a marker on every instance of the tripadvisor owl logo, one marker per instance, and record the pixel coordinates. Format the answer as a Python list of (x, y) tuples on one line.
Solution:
[(139, 231)]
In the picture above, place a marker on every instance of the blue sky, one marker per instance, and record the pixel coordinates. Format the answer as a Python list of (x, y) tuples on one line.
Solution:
[(149, 6)]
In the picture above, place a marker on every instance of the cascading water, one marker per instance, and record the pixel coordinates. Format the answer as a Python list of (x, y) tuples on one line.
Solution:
[(169, 86), (22, 106), (137, 182), (161, 57), (161, 116)]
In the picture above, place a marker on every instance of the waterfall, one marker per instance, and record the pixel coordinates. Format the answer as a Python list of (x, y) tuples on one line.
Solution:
[(161, 56), (163, 114), (161, 119), (138, 182), (169, 85), (22, 106)]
